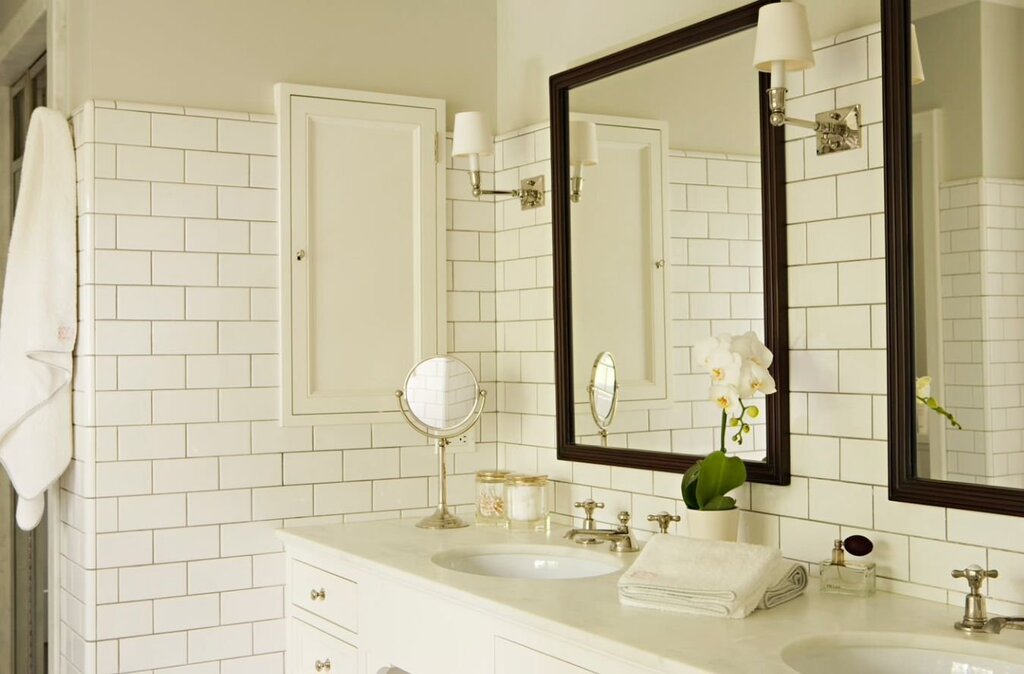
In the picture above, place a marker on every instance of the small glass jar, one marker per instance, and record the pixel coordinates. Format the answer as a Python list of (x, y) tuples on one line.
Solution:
[(490, 497), (526, 502)]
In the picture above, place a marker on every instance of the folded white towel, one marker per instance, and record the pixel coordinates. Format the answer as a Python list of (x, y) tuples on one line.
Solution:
[(38, 325), (689, 575), (788, 580)]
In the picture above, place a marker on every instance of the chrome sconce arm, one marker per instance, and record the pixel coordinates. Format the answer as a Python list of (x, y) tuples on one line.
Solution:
[(836, 130), (530, 192)]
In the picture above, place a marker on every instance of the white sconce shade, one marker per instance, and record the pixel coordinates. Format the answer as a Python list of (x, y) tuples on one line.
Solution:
[(916, 67), (472, 135), (582, 143), (783, 40)]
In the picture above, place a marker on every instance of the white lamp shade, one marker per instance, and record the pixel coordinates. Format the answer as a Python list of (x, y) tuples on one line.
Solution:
[(783, 36), (472, 135), (582, 143), (916, 67)]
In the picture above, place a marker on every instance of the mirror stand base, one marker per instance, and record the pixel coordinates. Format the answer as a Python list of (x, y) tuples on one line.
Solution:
[(441, 519)]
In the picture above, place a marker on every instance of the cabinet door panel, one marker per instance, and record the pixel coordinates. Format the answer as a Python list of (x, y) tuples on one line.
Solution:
[(316, 652), (365, 249)]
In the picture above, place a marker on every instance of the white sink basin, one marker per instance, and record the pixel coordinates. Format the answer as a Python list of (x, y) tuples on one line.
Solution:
[(884, 653), (535, 562)]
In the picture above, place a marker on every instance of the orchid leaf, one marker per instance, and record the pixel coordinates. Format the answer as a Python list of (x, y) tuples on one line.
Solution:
[(719, 474)]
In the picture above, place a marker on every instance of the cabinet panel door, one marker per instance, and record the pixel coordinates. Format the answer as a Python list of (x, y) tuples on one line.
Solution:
[(316, 652), (363, 250), (618, 262)]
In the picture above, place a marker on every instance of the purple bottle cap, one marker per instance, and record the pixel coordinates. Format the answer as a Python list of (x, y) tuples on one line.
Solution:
[(858, 546)]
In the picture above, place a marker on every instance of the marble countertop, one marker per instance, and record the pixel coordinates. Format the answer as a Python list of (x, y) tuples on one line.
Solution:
[(587, 610)]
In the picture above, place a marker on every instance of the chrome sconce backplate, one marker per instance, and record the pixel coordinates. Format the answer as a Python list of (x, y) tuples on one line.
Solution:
[(838, 129)]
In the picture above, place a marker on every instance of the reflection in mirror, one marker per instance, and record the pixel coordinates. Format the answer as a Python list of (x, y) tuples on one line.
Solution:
[(666, 238), (604, 394), (967, 196), (441, 393)]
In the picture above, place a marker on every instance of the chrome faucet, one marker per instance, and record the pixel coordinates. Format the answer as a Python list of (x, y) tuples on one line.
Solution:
[(976, 618), (621, 538)]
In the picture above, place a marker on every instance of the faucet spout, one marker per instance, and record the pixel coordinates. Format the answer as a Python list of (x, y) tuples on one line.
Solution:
[(997, 625)]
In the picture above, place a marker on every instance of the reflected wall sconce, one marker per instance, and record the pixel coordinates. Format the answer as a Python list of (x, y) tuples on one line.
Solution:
[(916, 67), (784, 43), (473, 138), (582, 152)]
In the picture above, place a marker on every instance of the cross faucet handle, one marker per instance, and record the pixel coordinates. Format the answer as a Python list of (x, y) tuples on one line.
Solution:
[(663, 519), (975, 575), (589, 506)]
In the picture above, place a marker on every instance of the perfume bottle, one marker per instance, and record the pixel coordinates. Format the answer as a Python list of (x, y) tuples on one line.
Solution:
[(854, 578)]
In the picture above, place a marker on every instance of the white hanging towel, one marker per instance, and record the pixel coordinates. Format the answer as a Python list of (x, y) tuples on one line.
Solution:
[(38, 320)]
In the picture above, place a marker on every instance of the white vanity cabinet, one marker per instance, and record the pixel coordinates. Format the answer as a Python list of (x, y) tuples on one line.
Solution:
[(372, 623), (362, 209)]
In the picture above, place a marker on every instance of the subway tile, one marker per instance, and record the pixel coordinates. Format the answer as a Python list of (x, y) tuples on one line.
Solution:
[(184, 132), (151, 652), (246, 137), (861, 192), (121, 127), (250, 538), (216, 236), (839, 415), (184, 269), (908, 518), (122, 267), (184, 406), (932, 561), (192, 201), (346, 497), (218, 371), (219, 439), (150, 442), (217, 304), (314, 467), (841, 502), (262, 171), (265, 603), (122, 338), (216, 168), (122, 197), (151, 582), (282, 502), (255, 271), (216, 643), (184, 337), (986, 529), (251, 404), (124, 549), (139, 232), (864, 461), (246, 203), (186, 613), (123, 408), (180, 545), (400, 494), (184, 475), (835, 66), (151, 512), (150, 372), (261, 470), (219, 507), (811, 200), (126, 619), (150, 303), (270, 436), (149, 163)]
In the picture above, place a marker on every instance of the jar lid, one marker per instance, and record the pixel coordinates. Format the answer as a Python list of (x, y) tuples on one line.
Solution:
[(492, 475), (532, 480)]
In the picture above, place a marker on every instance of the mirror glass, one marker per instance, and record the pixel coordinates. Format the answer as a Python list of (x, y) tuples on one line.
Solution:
[(967, 196), (441, 393), (666, 239), (603, 390)]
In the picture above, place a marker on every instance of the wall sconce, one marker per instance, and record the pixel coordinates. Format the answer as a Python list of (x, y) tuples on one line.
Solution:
[(582, 152), (784, 43), (916, 67), (473, 138)]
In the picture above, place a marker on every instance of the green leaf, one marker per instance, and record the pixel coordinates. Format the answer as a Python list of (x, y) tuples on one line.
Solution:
[(719, 474), (689, 486), (720, 503)]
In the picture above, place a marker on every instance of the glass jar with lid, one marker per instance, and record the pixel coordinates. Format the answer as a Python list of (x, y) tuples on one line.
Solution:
[(526, 502), (490, 497)]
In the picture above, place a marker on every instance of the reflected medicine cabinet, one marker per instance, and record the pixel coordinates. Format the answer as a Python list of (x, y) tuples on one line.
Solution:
[(362, 209)]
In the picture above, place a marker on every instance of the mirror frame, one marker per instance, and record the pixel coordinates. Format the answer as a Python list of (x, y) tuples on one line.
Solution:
[(775, 468), (904, 483)]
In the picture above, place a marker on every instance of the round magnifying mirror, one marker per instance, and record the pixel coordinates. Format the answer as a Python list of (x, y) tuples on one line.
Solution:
[(442, 393), (604, 392)]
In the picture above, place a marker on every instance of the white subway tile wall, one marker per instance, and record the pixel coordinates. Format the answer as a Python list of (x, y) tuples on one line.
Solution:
[(181, 472)]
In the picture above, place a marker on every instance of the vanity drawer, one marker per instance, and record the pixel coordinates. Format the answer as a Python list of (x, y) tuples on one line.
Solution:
[(331, 597), (316, 652)]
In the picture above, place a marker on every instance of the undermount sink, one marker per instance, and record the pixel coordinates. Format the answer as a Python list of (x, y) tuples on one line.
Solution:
[(534, 562), (882, 653)]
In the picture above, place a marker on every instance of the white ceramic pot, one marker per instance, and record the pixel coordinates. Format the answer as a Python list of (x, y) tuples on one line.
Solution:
[(713, 525)]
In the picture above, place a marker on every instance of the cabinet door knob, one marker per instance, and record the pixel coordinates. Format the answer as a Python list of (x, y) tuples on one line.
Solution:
[(315, 594), (301, 255), (323, 665)]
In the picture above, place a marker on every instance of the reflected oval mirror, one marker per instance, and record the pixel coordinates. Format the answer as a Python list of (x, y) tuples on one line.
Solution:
[(603, 390), (441, 393)]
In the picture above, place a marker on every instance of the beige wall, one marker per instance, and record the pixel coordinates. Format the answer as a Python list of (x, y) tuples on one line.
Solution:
[(1002, 88), (8, 8), (227, 54)]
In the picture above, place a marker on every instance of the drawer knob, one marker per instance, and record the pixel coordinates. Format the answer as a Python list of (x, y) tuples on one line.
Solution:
[(323, 665), (316, 594)]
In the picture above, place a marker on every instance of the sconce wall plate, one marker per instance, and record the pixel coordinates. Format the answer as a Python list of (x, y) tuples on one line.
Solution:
[(531, 192), (838, 129)]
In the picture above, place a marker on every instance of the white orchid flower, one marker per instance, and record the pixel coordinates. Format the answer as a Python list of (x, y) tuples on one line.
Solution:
[(704, 350), (725, 367), (924, 387), (750, 347), (726, 398), (755, 379)]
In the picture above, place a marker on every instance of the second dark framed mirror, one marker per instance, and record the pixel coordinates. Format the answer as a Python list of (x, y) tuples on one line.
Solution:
[(669, 230)]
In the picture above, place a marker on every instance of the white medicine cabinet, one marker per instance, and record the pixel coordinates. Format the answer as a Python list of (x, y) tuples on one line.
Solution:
[(362, 211)]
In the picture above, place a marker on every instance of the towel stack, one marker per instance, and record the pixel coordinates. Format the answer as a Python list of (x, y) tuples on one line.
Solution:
[(711, 578)]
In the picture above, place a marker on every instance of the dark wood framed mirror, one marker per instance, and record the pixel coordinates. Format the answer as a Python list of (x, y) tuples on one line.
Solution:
[(947, 203), (676, 234)]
